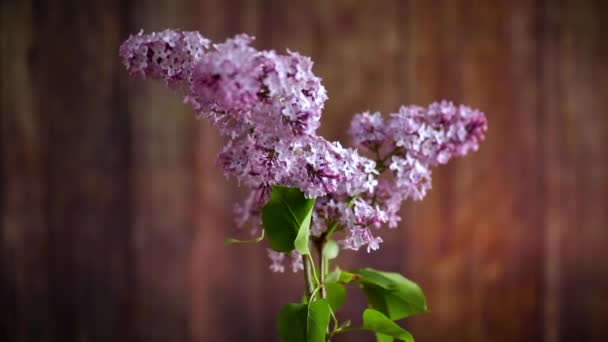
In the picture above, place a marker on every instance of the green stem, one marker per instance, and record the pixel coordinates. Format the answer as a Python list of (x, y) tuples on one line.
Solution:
[(323, 266), (307, 277), (312, 267), (380, 162), (330, 231), (254, 240)]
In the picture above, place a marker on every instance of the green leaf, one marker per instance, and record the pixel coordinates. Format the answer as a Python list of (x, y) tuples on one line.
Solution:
[(301, 241), (333, 276), (391, 293), (331, 249), (338, 275), (384, 328), (304, 322), (384, 338), (347, 277), (336, 295), (286, 218)]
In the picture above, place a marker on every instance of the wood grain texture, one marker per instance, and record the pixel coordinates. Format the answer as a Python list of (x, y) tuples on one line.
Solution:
[(113, 213)]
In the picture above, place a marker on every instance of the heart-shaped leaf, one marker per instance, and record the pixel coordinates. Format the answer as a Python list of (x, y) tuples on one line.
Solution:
[(384, 328), (304, 322), (391, 293), (336, 295), (286, 218)]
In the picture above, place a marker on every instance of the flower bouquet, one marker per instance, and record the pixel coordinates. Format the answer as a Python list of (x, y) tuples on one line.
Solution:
[(310, 197)]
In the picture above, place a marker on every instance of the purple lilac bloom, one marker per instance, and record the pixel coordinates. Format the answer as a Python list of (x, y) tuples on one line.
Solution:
[(269, 106), (369, 131), (438, 133), (240, 88), (168, 55), (277, 261), (296, 261), (248, 213), (405, 148), (227, 78), (359, 237), (320, 167)]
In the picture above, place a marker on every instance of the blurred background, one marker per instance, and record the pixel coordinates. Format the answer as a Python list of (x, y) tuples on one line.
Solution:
[(113, 212)]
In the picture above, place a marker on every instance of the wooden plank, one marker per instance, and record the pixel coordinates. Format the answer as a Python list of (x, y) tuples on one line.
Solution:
[(507, 267), (582, 106), (87, 170), (62, 197), (476, 228), (558, 173), (24, 280), (63, 140)]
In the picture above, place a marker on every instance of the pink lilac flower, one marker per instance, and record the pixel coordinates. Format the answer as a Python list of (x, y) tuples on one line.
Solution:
[(248, 213), (353, 216), (277, 261), (412, 177), (368, 130), (252, 161), (227, 79), (321, 167), (358, 237), (294, 92), (327, 211), (390, 201), (168, 55), (296, 261), (236, 85), (438, 133), (365, 215)]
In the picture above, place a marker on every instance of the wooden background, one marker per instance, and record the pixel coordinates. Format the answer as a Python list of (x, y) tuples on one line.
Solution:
[(113, 213)]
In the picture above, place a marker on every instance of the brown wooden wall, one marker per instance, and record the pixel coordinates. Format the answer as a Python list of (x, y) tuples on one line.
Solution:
[(113, 213)]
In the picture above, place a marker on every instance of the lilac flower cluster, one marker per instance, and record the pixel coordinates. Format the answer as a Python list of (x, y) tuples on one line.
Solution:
[(269, 106), (168, 55), (404, 147)]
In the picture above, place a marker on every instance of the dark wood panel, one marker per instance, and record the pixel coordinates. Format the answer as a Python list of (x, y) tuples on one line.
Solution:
[(582, 105), (66, 137), (26, 290), (113, 213)]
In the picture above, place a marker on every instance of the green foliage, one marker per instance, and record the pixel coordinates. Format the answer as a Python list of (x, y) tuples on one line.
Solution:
[(391, 293), (384, 338), (304, 322), (286, 218), (384, 328), (333, 276), (336, 295)]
